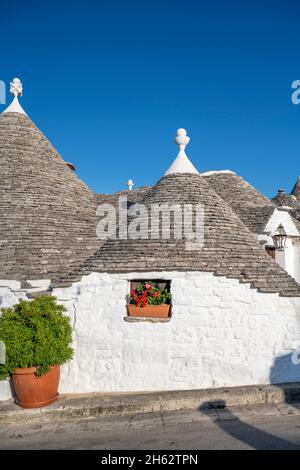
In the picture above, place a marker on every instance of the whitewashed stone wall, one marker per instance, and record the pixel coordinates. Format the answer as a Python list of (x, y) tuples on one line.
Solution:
[(282, 217), (296, 249), (222, 333), (288, 258)]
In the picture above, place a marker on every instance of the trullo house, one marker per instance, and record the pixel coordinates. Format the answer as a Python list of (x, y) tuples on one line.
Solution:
[(235, 301)]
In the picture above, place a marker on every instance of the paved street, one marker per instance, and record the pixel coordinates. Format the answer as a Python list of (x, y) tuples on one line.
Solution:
[(260, 427)]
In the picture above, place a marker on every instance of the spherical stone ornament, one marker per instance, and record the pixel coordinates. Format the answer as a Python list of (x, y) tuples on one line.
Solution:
[(182, 139)]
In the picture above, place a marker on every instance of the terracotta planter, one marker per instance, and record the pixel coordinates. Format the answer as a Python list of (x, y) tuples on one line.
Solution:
[(33, 391), (150, 311)]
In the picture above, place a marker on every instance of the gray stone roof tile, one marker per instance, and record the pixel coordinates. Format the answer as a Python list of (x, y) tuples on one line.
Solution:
[(284, 199), (47, 213), (229, 249), (296, 189), (48, 222), (253, 208)]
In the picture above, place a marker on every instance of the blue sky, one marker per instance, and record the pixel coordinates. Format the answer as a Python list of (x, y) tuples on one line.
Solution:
[(110, 82)]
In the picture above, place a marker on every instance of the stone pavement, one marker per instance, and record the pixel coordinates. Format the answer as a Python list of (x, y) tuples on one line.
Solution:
[(267, 426)]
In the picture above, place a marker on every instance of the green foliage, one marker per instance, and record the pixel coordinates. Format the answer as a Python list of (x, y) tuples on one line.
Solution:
[(36, 334), (147, 294)]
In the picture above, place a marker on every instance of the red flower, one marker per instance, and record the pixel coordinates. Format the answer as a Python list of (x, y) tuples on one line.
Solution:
[(156, 294), (148, 286)]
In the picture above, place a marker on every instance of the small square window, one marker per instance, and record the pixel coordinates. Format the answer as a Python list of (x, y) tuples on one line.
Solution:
[(149, 299)]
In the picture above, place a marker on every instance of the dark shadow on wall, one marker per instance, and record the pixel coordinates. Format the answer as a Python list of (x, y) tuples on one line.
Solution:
[(12, 388), (284, 370)]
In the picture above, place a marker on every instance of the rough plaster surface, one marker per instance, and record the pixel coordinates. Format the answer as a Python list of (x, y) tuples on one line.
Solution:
[(222, 333)]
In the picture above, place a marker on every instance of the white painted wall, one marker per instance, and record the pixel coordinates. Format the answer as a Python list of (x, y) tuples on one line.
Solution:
[(286, 258), (296, 249), (289, 258), (222, 333), (284, 218)]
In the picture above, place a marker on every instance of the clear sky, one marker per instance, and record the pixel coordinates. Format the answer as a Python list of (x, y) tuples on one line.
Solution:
[(109, 82)]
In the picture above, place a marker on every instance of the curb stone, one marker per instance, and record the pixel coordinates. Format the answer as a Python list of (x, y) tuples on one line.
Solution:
[(109, 404)]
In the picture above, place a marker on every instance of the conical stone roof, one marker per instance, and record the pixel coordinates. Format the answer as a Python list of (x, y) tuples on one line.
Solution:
[(291, 201), (229, 247), (252, 207), (47, 213), (284, 199), (296, 189)]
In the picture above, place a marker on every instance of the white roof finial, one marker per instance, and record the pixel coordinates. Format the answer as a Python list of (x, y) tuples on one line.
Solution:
[(181, 164), (130, 185), (16, 89), (182, 139)]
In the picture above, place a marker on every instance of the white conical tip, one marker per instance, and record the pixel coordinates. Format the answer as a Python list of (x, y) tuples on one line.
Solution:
[(15, 107), (181, 164)]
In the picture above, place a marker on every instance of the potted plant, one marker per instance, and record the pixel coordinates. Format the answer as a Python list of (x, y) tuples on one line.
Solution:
[(37, 337), (149, 301)]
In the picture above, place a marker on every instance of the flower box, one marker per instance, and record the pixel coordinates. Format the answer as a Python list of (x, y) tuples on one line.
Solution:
[(149, 311), (149, 301)]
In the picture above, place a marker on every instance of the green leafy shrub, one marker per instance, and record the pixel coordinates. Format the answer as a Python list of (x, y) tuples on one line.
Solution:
[(35, 334)]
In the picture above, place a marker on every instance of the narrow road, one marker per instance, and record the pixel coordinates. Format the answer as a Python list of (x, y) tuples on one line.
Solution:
[(260, 427)]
